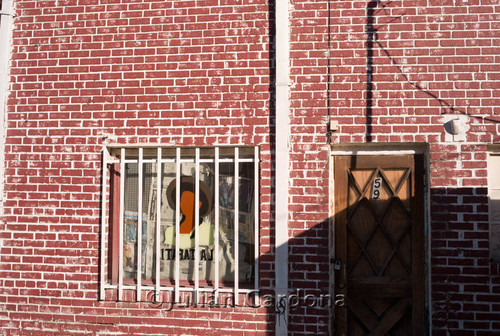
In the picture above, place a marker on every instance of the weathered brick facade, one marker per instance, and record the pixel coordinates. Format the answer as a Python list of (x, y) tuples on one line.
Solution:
[(89, 73)]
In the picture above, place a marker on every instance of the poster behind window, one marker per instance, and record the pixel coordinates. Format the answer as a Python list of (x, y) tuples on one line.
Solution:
[(130, 246), (206, 229)]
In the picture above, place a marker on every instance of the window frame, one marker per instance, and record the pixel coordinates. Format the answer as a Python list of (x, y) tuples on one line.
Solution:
[(112, 257), (494, 225)]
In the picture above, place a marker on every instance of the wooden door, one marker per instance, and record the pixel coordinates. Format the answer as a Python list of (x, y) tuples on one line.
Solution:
[(379, 245)]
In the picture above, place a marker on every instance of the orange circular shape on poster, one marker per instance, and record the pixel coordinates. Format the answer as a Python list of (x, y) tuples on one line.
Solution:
[(187, 201)]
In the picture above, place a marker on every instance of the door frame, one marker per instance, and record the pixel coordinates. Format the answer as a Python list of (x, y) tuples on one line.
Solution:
[(363, 149)]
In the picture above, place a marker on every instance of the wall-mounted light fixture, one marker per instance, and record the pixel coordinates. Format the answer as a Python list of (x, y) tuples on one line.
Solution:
[(455, 127)]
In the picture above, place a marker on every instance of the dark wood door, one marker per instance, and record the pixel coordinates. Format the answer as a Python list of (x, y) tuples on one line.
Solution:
[(379, 245)]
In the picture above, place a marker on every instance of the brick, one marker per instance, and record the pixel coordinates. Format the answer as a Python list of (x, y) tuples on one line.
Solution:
[(188, 72)]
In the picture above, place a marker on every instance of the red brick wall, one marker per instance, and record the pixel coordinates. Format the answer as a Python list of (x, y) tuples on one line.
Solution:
[(86, 73), (428, 58), (309, 262), (198, 73)]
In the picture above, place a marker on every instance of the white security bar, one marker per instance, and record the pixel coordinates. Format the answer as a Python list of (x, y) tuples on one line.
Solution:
[(140, 160), (121, 228), (216, 231), (139, 224), (256, 217), (105, 158), (177, 221), (224, 160), (236, 224), (158, 223), (196, 226)]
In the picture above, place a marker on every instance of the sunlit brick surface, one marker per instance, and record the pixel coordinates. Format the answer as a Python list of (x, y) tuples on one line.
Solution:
[(85, 74)]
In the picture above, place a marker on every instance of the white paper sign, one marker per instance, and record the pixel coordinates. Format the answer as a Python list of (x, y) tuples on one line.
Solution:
[(377, 185)]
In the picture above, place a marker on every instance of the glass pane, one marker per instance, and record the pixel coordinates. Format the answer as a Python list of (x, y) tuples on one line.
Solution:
[(130, 221), (187, 227), (148, 220), (131, 218), (187, 222), (207, 153), (247, 152), (226, 224), (207, 226), (246, 235), (227, 198), (167, 229), (226, 152)]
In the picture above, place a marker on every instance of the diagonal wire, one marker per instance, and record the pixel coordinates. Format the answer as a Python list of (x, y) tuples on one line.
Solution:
[(444, 104), (395, 18)]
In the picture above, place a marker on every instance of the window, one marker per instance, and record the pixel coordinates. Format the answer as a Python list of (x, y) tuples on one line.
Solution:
[(155, 238), (494, 204)]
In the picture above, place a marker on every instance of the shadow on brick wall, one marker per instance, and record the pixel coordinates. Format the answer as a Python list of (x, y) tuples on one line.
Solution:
[(465, 282)]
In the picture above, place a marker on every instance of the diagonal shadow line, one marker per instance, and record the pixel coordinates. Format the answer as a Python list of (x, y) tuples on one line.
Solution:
[(373, 38), (391, 21), (442, 102), (384, 8)]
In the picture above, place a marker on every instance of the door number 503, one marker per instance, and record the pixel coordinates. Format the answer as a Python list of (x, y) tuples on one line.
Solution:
[(377, 185)]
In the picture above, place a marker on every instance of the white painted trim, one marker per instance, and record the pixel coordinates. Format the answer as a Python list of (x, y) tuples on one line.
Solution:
[(140, 182), (158, 224), (155, 145), (158, 160), (6, 27), (183, 289), (122, 220), (256, 212), (104, 216), (364, 153), (236, 225), (492, 167), (177, 222), (196, 225), (281, 173), (379, 149), (228, 160), (216, 231)]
